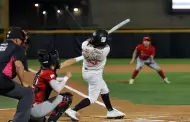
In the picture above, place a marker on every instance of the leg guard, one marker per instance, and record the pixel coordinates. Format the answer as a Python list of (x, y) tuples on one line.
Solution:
[(61, 108)]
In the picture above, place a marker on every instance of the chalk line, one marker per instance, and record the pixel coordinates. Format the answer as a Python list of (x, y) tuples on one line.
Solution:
[(6, 109)]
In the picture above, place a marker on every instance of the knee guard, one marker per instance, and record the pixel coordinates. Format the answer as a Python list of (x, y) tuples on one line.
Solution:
[(61, 108)]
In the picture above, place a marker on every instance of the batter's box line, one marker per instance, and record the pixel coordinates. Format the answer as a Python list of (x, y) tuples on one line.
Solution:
[(151, 113), (134, 120), (7, 109)]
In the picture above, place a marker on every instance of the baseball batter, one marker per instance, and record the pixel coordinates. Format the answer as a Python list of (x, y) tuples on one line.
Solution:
[(45, 82), (95, 51), (145, 53)]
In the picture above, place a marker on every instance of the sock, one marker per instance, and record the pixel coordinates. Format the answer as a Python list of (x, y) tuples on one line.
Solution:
[(84, 103), (106, 99), (161, 73), (135, 73)]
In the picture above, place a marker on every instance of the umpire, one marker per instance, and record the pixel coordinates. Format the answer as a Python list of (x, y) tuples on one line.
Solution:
[(12, 57)]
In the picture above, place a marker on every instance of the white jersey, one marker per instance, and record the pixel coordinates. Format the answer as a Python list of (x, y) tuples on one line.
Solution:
[(94, 58)]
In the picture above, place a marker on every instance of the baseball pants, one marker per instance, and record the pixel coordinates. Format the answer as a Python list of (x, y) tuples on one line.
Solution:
[(141, 63), (25, 96), (43, 109), (96, 84)]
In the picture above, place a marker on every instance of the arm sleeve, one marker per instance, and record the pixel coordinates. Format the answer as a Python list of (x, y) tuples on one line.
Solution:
[(106, 50), (80, 58), (85, 43), (58, 85), (19, 54)]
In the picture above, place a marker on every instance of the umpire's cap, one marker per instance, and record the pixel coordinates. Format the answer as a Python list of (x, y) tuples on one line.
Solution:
[(16, 33)]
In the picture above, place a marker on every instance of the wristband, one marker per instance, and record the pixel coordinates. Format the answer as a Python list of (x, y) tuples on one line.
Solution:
[(80, 58)]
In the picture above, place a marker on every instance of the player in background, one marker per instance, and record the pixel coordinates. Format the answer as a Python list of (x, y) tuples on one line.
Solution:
[(145, 53), (94, 55), (45, 81)]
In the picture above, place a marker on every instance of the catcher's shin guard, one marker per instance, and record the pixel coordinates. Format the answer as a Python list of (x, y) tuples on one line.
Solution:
[(61, 108)]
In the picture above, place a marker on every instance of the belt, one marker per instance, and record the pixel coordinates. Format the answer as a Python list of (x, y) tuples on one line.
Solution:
[(85, 68)]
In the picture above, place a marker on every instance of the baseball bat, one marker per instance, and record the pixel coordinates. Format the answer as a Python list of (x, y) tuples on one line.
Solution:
[(119, 26)]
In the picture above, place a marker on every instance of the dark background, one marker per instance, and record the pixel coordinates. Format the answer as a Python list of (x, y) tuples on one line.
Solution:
[(144, 14), (168, 45), (23, 13)]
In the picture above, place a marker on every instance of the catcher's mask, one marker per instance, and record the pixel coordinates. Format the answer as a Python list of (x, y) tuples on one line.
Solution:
[(48, 59)]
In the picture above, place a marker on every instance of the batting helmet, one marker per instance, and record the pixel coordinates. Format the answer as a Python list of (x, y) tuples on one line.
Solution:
[(99, 38)]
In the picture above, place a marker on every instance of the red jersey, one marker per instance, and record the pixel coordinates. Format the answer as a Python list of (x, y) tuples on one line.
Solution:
[(42, 86), (145, 53)]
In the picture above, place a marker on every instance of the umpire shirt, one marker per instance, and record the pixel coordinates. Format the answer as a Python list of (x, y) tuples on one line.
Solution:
[(9, 53)]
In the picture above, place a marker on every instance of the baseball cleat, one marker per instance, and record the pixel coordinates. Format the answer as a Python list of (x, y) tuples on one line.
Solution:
[(131, 81), (114, 114), (166, 80), (72, 114)]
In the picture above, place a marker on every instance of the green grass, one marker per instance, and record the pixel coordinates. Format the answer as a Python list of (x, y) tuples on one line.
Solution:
[(126, 61), (7, 102), (149, 88)]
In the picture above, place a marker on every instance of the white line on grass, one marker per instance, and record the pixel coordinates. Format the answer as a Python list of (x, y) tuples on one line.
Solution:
[(6, 109)]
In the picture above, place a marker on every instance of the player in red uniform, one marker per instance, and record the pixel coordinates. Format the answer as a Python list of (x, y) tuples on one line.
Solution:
[(145, 53), (45, 81)]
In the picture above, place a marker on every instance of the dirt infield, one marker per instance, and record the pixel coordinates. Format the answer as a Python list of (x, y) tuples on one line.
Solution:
[(134, 113)]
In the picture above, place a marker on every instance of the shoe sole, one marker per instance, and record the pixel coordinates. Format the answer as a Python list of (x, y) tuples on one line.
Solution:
[(167, 82), (72, 119), (118, 117), (130, 83)]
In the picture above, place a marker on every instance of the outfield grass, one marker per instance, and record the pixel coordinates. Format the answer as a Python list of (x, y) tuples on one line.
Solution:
[(126, 61), (149, 88)]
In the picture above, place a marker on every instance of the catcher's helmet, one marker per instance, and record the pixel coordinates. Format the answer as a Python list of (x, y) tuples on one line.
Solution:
[(16, 33), (48, 59), (99, 38)]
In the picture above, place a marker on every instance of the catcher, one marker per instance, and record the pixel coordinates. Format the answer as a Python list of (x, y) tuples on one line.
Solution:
[(45, 81)]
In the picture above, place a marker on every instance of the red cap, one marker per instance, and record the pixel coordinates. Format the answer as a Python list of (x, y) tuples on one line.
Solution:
[(146, 38)]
